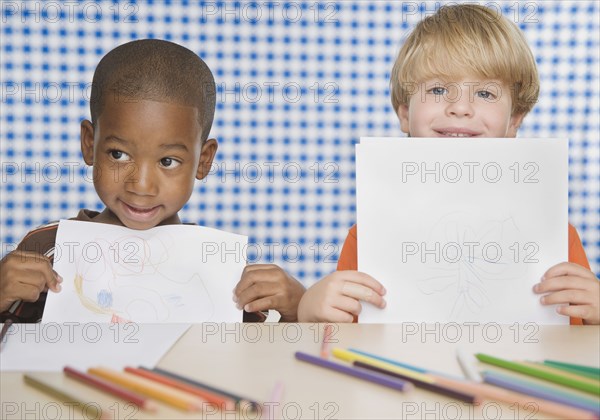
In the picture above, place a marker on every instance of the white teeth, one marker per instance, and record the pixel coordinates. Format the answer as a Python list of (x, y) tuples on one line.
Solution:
[(457, 135)]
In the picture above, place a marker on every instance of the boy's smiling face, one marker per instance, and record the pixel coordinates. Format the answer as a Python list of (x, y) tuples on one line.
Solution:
[(471, 107), (146, 155)]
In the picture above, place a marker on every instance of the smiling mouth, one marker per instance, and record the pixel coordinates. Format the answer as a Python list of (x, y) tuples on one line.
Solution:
[(141, 211), (456, 133)]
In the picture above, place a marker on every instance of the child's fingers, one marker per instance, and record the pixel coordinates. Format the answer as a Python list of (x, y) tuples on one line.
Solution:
[(562, 283), (575, 297), (567, 269), (262, 304), (255, 292), (28, 292), (255, 273), (360, 292), (585, 312), (336, 315), (362, 279), (55, 282), (346, 304)]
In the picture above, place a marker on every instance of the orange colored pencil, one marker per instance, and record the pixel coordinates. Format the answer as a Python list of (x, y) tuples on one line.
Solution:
[(150, 388), (210, 397)]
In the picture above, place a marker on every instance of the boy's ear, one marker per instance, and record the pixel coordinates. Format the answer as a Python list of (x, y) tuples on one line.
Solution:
[(515, 124), (402, 113), (87, 142), (209, 150)]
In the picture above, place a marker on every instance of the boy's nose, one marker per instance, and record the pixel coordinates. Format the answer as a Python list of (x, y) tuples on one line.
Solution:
[(461, 106), (142, 181)]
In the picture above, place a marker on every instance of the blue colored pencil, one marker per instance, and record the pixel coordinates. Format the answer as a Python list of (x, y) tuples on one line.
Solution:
[(366, 375), (539, 391)]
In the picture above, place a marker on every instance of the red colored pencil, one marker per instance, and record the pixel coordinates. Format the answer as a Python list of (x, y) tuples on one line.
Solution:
[(210, 397), (109, 387)]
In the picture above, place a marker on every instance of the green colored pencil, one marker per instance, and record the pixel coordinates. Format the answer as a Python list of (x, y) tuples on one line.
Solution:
[(584, 374), (538, 373), (582, 368), (60, 392)]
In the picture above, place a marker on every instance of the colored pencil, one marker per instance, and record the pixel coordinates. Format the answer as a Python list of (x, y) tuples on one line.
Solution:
[(390, 361), (540, 391), (209, 397), (110, 388), (566, 372), (586, 374), (466, 362), (525, 402), (580, 384), (589, 369), (240, 401), (403, 365), (91, 407), (363, 374), (275, 400), (438, 389), (325, 344), (350, 356), (147, 387)]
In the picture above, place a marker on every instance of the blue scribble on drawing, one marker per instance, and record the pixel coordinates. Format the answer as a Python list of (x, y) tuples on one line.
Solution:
[(105, 298)]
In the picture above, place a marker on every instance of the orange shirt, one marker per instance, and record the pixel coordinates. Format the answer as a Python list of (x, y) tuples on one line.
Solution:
[(349, 257)]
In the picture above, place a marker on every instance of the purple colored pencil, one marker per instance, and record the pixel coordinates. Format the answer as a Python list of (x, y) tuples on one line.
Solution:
[(366, 375)]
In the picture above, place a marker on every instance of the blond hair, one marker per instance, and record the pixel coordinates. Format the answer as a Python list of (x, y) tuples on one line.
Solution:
[(467, 40)]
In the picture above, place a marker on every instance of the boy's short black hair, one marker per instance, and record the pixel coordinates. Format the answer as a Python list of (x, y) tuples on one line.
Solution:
[(153, 69)]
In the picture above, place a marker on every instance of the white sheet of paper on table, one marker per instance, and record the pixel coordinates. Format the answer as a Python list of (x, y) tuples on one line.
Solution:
[(493, 212), (170, 274), (52, 346)]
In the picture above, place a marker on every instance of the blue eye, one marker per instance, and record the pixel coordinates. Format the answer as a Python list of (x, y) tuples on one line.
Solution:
[(485, 94), (438, 90)]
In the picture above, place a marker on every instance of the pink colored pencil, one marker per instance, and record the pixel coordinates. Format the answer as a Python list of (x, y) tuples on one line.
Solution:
[(325, 344)]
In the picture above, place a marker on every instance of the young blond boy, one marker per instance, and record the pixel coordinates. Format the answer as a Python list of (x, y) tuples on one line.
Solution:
[(463, 72), (152, 106)]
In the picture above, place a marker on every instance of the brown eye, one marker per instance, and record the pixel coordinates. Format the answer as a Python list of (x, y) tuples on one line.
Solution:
[(169, 162), (118, 155)]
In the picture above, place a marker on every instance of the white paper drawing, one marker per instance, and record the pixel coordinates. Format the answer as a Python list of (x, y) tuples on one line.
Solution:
[(177, 273), (461, 229)]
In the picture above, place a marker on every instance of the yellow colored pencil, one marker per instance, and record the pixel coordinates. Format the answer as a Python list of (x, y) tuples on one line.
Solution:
[(166, 394), (350, 356)]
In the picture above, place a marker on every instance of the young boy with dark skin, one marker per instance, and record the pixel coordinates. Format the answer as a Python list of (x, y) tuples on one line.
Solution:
[(463, 72), (152, 106)]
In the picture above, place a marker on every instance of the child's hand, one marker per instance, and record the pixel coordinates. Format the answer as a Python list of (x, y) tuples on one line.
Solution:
[(336, 297), (267, 286), (574, 286), (23, 276)]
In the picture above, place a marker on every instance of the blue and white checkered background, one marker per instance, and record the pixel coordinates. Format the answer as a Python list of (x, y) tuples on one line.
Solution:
[(298, 84)]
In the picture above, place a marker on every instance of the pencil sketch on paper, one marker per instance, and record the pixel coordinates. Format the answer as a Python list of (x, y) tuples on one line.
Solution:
[(465, 273), (134, 286)]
